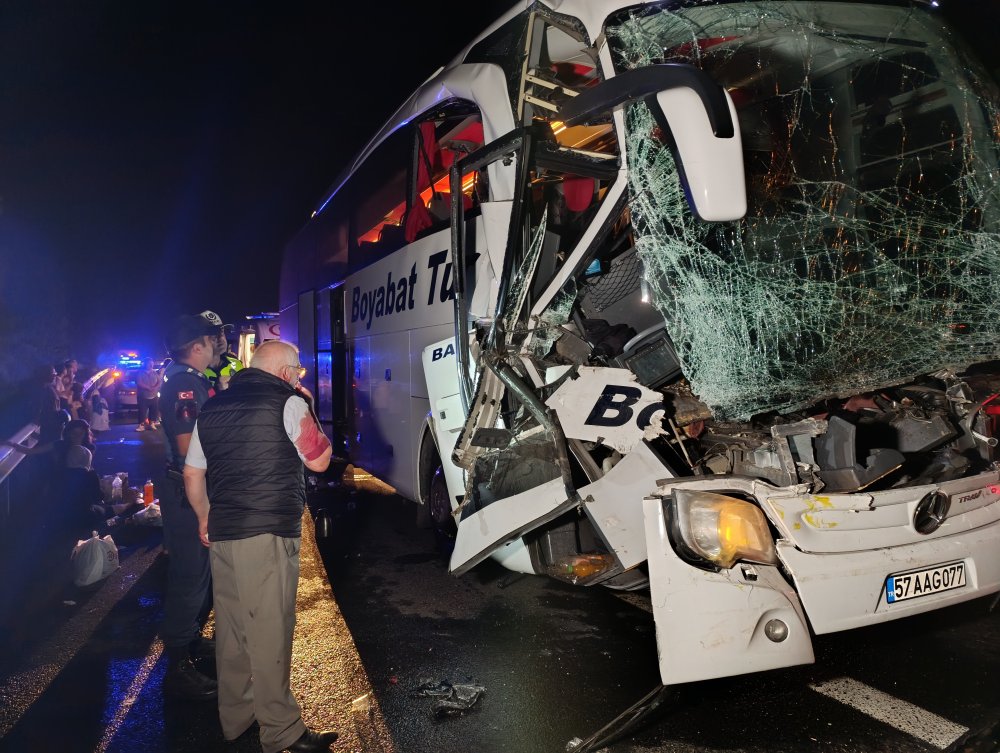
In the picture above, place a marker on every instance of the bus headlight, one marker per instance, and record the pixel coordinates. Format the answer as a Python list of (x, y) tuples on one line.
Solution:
[(719, 530)]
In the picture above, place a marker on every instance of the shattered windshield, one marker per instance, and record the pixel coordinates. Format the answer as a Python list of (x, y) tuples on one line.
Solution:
[(870, 252)]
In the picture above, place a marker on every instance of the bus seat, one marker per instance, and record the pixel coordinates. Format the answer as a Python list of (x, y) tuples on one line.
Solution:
[(391, 236), (418, 219), (439, 205), (578, 191)]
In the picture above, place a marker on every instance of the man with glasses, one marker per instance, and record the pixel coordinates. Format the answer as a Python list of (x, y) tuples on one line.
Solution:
[(243, 475)]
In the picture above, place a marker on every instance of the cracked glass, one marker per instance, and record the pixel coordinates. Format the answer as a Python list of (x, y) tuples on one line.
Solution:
[(870, 252)]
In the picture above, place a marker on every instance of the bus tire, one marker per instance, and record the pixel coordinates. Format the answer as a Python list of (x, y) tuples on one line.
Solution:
[(439, 510)]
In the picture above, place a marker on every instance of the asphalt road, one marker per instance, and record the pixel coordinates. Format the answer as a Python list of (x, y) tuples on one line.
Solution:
[(559, 662), (82, 671)]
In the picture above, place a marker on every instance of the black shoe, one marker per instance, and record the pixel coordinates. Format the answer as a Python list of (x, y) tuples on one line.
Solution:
[(313, 742), (185, 682)]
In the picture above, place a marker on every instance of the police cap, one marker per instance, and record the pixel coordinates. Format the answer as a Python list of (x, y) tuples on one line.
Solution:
[(214, 320), (186, 329)]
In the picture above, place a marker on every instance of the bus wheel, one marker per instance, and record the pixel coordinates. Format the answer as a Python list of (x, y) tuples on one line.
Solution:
[(439, 509)]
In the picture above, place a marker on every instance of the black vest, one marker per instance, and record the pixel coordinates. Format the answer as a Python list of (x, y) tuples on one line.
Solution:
[(256, 482)]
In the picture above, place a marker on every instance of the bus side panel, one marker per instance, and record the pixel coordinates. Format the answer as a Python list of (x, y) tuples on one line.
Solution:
[(394, 309), (361, 426), (409, 289), (398, 405), (419, 407), (420, 339), (388, 441), (420, 394)]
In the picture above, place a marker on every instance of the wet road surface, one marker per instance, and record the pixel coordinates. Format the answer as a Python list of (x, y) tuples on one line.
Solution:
[(81, 669), (559, 662)]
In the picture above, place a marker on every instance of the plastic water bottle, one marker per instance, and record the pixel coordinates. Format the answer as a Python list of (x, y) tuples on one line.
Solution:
[(147, 493), (116, 488)]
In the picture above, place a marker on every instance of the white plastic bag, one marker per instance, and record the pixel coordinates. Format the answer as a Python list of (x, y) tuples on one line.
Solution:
[(93, 559), (149, 516)]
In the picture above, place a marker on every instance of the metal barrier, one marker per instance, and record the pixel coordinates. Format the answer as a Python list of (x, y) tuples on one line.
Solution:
[(28, 436), (10, 458)]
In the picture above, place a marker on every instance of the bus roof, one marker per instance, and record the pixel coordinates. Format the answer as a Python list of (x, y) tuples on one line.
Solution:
[(425, 96)]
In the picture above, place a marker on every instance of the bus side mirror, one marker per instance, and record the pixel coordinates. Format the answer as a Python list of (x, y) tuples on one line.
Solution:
[(699, 121)]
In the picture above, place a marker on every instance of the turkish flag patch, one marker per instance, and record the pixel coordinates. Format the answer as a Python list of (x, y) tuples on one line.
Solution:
[(185, 395)]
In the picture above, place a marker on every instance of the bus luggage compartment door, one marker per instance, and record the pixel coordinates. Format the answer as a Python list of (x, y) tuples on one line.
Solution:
[(446, 415)]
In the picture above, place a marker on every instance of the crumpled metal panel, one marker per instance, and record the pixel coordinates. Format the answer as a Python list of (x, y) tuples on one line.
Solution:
[(870, 253), (608, 406), (711, 624)]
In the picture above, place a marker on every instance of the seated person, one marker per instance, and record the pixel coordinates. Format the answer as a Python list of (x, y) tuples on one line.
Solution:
[(75, 433), (79, 486), (99, 414)]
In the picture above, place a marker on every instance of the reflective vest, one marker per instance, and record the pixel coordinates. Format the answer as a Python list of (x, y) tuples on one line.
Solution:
[(232, 365)]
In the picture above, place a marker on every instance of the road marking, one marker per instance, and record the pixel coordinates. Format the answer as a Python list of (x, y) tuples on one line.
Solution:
[(27, 683), (890, 710), (131, 695)]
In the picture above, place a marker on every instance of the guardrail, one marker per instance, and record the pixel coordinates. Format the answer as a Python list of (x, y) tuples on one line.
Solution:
[(27, 435), (10, 458)]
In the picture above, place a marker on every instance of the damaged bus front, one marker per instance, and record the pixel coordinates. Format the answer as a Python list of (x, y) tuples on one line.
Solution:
[(742, 348), (698, 297)]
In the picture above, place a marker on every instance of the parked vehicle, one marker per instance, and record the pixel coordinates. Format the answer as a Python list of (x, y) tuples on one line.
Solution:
[(257, 329), (126, 393), (694, 297)]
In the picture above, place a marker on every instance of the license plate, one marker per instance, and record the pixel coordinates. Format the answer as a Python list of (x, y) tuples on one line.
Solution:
[(930, 580)]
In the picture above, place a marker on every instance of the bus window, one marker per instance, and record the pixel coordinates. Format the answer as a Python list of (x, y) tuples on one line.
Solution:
[(440, 142), (380, 190), (561, 65), (562, 68), (382, 212)]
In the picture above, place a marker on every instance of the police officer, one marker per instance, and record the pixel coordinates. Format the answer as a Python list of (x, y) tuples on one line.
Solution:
[(191, 342), (224, 364)]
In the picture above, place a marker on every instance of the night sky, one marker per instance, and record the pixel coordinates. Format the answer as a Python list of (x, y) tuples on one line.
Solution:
[(155, 157)]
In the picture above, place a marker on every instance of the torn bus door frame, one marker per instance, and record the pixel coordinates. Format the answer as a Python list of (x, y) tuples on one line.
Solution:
[(531, 147), (481, 532), (535, 149), (482, 412), (506, 147)]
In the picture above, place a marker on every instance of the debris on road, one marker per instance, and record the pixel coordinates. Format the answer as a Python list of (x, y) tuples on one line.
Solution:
[(362, 704), (430, 689), (453, 700)]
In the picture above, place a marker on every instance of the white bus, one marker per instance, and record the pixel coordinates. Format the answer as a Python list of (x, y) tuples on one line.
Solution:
[(699, 297)]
